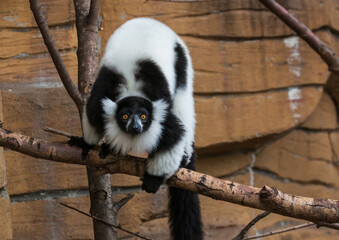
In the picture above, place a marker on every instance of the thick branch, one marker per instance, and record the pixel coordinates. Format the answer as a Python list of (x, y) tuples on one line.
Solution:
[(87, 13), (325, 52), (267, 199), (53, 51), (92, 18)]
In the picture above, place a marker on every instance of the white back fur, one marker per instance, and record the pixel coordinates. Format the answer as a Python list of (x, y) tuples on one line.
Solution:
[(142, 38), (145, 38)]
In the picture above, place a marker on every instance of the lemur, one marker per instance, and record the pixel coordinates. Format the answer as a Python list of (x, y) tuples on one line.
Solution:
[(142, 101)]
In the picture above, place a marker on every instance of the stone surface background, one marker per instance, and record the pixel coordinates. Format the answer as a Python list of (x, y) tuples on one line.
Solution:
[(266, 114)]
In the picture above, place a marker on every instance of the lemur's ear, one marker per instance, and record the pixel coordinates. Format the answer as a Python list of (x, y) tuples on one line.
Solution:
[(109, 108)]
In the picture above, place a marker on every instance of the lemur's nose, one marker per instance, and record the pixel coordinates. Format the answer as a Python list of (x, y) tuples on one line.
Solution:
[(135, 126)]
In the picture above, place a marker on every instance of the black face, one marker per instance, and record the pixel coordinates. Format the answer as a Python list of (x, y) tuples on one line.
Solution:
[(134, 115)]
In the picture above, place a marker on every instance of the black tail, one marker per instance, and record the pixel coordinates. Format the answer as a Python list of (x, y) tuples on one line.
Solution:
[(184, 208)]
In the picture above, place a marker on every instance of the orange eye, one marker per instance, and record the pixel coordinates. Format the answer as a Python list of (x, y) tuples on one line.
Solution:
[(125, 116), (143, 116)]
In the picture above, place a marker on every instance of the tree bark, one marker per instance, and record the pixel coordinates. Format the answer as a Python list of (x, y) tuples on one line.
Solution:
[(266, 198), (87, 12)]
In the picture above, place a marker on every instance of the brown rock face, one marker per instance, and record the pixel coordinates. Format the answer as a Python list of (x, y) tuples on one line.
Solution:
[(266, 114)]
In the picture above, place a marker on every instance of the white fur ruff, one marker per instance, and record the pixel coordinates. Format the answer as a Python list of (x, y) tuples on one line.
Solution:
[(124, 143)]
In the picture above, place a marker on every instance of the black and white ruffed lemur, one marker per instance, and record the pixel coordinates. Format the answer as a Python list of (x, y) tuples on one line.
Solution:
[(142, 101)]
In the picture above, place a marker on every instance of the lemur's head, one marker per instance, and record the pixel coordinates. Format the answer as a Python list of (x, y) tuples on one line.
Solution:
[(134, 114)]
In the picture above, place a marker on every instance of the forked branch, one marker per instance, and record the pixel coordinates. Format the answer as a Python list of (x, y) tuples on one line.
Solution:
[(55, 55)]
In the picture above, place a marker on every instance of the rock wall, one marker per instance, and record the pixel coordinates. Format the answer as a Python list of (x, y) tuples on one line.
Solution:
[(266, 114)]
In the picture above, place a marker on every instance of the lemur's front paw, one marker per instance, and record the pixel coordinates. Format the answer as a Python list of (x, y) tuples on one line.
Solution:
[(104, 150), (80, 142), (151, 183)]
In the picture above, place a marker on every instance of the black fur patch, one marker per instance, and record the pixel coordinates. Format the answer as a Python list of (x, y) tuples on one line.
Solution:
[(184, 208), (104, 151), (155, 84), (151, 183), (80, 142), (173, 131), (180, 67), (134, 106), (106, 86)]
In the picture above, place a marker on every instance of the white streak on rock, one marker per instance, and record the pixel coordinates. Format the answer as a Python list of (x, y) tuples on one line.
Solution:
[(294, 97), (294, 59)]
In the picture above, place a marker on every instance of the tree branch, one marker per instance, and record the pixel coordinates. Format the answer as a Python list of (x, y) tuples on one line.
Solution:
[(58, 132), (325, 52), (87, 13), (122, 202), (266, 198), (53, 51), (104, 222), (92, 17), (328, 225), (242, 234), (304, 225)]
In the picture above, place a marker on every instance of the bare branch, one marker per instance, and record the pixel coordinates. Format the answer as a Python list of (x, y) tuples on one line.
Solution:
[(92, 18), (88, 51), (266, 198), (328, 225), (107, 223), (53, 51), (122, 202), (242, 234), (325, 52), (334, 153), (58, 132), (281, 231)]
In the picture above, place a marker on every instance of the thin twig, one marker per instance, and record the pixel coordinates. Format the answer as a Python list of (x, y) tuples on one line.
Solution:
[(281, 231), (328, 225), (58, 132), (122, 202), (107, 223), (242, 234), (324, 51), (336, 162), (55, 55)]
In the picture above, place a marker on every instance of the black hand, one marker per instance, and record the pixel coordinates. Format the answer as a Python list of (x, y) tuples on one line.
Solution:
[(80, 142), (76, 141), (104, 150), (151, 183)]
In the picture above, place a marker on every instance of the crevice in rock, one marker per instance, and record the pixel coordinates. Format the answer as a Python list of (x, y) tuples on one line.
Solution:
[(274, 176), (238, 93), (43, 54)]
